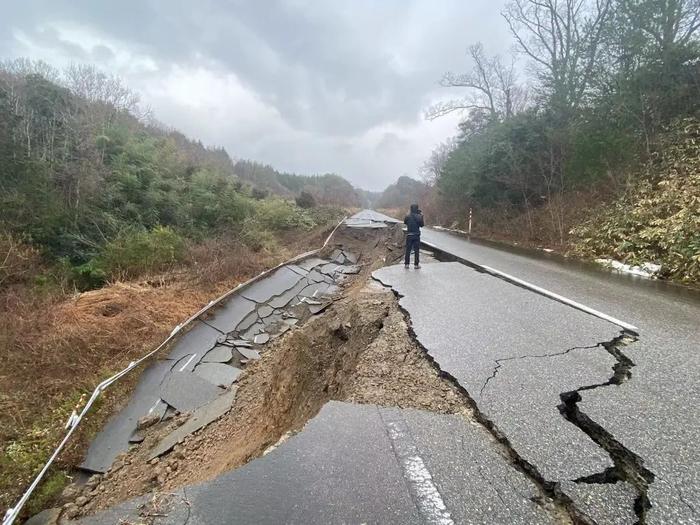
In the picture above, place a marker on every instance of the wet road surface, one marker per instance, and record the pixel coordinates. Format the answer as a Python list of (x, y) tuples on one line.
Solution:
[(653, 414), (607, 417)]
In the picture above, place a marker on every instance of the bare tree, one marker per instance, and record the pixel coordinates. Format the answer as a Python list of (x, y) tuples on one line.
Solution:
[(563, 40), (94, 86), (492, 86), (432, 168)]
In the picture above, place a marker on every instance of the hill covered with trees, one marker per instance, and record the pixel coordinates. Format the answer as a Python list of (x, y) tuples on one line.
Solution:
[(603, 123), (113, 229), (404, 192), (328, 189), (89, 184)]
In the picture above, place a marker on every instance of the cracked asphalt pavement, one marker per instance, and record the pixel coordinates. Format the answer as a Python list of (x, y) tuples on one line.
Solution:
[(653, 414), (575, 419)]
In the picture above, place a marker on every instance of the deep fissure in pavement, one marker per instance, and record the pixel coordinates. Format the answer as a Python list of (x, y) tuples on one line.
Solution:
[(550, 498), (357, 351), (627, 465)]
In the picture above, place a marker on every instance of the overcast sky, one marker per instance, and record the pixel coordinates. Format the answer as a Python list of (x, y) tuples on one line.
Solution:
[(306, 86)]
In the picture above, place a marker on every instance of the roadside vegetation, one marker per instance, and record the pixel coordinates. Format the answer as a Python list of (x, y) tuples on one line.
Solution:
[(595, 151), (113, 229)]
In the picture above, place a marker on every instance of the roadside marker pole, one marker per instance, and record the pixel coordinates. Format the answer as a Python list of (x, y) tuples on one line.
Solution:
[(470, 223)]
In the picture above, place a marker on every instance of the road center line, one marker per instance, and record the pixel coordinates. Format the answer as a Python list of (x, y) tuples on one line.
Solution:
[(426, 495)]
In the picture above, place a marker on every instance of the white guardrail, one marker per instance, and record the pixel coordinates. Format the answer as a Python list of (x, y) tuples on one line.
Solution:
[(75, 419)]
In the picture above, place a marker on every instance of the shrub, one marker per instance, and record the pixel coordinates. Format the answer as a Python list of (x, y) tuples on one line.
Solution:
[(658, 220), (256, 237), (87, 276), (136, 251), (259, 194), (18, 261), (306, 200), (276, 214)]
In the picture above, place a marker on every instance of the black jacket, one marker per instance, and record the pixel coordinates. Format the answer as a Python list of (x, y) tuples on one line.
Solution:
[(414, 222)]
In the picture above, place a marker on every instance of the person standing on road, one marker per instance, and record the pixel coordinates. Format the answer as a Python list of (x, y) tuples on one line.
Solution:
[(413, 222)]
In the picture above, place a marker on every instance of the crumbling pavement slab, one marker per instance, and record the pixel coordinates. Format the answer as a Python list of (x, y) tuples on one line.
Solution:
[(311, 263), (248, 353), (218, 374), (186, 391), (114, 437), (286, 297), (263, 290), (230, 313), (199, 419), (197, 340), (218, 354)]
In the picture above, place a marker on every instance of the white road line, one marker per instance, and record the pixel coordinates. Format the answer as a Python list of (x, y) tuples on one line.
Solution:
[(187, 363), (570, 302), (428, 498), (627, 326), (150, 410)]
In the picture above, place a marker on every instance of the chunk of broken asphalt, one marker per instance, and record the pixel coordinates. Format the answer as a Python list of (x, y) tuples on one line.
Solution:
[(218, 354), (186, 391), (275, 284), (218, 374), (261, 338), (318, 308), (199, 419), (200, 337), (248, 353)]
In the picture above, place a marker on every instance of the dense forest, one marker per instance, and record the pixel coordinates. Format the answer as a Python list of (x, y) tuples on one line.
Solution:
[(91, 186), (401, 194), (328, 189), (587, 137)]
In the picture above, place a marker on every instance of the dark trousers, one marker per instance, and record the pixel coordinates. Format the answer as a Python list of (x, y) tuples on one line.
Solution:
[(412, 243)]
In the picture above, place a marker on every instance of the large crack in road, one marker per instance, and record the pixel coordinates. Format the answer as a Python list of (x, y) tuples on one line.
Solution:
[(469, 361), (626, 467)]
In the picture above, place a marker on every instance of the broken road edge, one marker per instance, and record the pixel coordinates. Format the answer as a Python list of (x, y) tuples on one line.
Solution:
[(75, 418)]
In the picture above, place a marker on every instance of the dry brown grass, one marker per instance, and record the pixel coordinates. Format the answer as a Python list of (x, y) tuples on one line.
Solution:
[(55, 348)]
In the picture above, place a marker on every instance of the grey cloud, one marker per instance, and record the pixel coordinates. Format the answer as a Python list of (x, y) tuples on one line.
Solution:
[(334, 69)]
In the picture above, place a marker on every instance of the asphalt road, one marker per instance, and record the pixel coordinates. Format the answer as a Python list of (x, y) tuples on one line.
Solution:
[(359, 464), (515, 352), (653, 414)]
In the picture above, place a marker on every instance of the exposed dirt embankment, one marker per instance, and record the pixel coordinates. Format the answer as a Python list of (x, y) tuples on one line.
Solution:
[(55, 348), (359, 350)]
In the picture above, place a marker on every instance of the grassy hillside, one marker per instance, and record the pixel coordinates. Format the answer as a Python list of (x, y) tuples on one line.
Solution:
[(658, 219)]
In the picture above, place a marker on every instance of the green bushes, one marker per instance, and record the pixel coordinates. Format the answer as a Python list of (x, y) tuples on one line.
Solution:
[(136, 252), (279, 215), (657, 221), (132, 253), (306, 200)]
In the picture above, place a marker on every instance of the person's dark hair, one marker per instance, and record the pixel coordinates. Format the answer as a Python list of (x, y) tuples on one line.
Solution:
[(414, 208)]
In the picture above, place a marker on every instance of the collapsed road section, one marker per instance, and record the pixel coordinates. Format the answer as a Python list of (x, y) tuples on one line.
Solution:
[(399, 444), (207, 360), (441, 395)]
